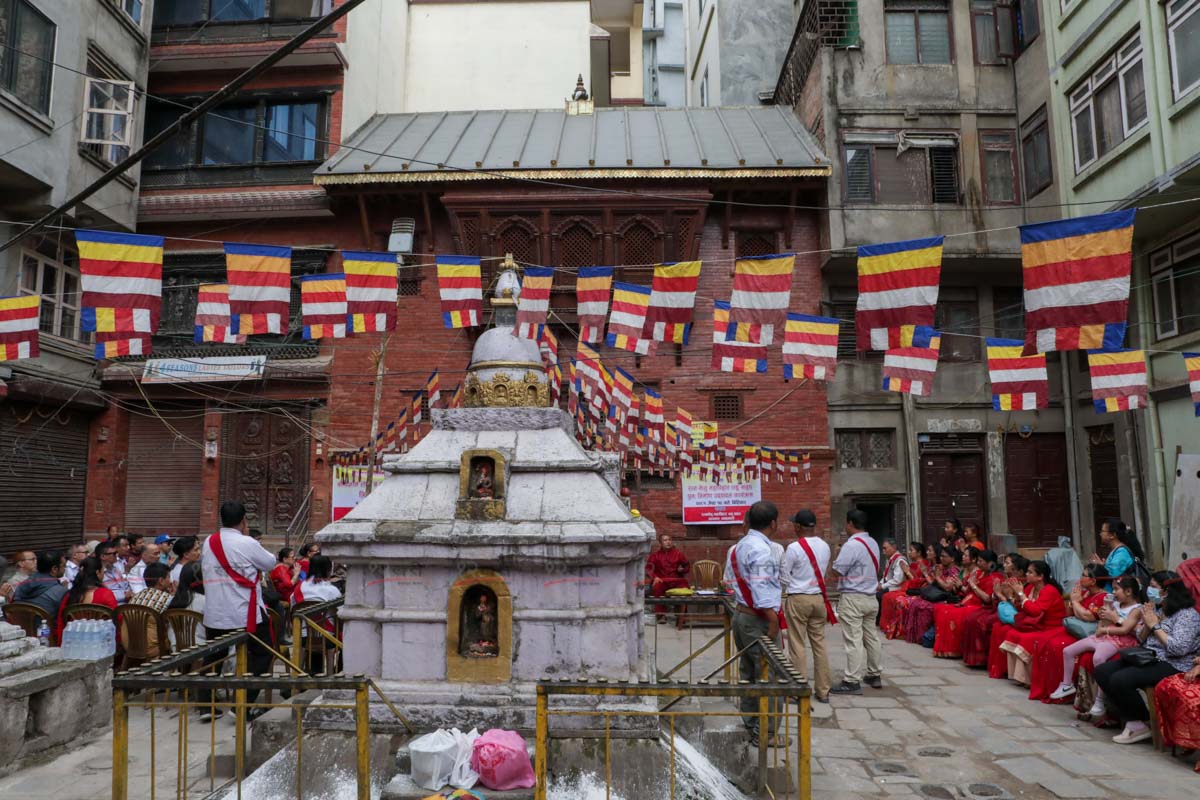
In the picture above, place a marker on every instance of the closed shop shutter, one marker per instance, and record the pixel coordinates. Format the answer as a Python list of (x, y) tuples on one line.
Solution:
[(162, 490), (43, 476)]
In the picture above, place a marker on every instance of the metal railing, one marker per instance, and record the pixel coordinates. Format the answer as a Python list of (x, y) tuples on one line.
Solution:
[(298, 527)]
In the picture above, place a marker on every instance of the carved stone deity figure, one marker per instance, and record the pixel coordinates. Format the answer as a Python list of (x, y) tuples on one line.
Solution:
[(479, 630), (482, 486)]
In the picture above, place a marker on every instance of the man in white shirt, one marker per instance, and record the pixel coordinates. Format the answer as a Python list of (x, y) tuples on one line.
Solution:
[(232, 564), (806, 601), (136, 574), (753, 572), (75, 557), (858, 565), (893, 570), (114, 578)]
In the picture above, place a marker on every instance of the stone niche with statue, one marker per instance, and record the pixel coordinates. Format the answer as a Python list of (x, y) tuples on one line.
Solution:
[(496, 553)]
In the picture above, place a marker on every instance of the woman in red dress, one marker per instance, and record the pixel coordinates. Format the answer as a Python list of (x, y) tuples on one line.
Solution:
[(948, 619), (977, 626), (88, 588), (1177, 699), (947, 576), (891, 610), (1040, 612), (1086, 599)]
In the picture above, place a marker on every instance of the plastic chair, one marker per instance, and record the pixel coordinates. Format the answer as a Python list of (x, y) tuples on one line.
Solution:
[(88, 611), (706, 575), (183, 623), (27, 616), (313, 644), (135, 625)]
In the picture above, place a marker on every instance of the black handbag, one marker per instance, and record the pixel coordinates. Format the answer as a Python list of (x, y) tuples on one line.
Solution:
[(935, 594), (1138, 656)]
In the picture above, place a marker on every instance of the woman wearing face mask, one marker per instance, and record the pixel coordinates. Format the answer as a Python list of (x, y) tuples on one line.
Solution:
[(1173, 636)]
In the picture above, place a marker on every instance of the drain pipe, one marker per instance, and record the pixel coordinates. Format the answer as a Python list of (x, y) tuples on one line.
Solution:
[(1068, 402)]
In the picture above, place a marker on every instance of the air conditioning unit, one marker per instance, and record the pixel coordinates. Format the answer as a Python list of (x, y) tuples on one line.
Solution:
[(403, 232)]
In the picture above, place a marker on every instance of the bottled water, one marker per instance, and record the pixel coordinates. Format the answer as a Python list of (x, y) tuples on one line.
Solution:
[(43, 634)]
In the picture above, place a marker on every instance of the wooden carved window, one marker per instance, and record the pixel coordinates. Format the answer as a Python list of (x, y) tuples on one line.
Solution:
[(516, 238), (640, 246), (750, 245)]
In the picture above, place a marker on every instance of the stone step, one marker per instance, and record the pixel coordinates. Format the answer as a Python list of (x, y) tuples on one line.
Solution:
[(33, 658), (12, 648), (402, 787)]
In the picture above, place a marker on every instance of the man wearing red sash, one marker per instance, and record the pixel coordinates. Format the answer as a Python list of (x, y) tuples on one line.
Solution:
[(233, 563), (858, 565), (806, 606), (753, 572)]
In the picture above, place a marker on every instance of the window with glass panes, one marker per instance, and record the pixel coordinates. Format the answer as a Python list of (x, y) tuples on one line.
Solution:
[(1175, 277), (983, 32), (925, 172), (1008, 312), (54, 274), (957, 317), (264, 131), (1035, 153), (110, 96), (1109, 105), (26, 53), (998, 151), (196, 12), (1183, 43), (865, 449), (918, 31)]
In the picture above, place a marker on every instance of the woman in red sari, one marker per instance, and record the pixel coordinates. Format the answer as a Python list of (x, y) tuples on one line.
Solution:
[(1177, 699), (87, 588), (947, 576), (948, 619), (1040, 612), (977, 626), (891, 610), (1086, 599)]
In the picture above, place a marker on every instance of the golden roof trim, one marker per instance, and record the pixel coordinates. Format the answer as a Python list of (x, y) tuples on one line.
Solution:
[(362, 178)]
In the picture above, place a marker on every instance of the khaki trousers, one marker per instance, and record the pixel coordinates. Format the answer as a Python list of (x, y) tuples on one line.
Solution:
[(857, 614), (806, 619)]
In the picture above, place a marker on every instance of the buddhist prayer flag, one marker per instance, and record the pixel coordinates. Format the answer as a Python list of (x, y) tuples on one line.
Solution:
[(417, 401), (672, 302), (213, 321), (1119, 380), (807, 467), (654, 414), (810, 347), (762, 289), (897, 286), (433, 389), (683, 424), (534, 302), (371, 294), (1192, 362), (628, 318), (461, 288), (1076, 274), (733, 355), (910, 370), (794, 467), (323, 306), (116, 348), (260, 287), (588, 369), (1019, 382), (456, 397), (121, 283), (19, 327), (548, 347), (622, 390), (592, 288)]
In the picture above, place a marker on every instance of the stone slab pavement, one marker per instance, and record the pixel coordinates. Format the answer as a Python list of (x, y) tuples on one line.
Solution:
[(938, 729)]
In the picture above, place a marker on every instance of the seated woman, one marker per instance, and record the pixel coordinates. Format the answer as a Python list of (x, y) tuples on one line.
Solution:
[(1119, 624), (1177, 699), (1085, 601), (973, 536), (88, 588), (1173, 640), (1124, 548), (948, 619), (891, 608), (918, 617), (1040, 609), (977, 626)]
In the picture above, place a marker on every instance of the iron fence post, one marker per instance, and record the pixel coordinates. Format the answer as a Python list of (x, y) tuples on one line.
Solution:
[(362, 730), (120, 767), (239, 699), (541, 734)]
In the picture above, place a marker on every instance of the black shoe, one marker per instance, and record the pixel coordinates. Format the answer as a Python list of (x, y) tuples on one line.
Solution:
[(874, 681), (847, 688), (209, 715), (254, 713), (822, 699)]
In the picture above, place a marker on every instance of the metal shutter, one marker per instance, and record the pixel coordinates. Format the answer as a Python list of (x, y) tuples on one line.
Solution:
[(163, 474), (43, 476)]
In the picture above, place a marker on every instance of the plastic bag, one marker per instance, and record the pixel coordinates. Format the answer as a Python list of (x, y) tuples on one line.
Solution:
[(433, 758), (502, 761), (462, 775)]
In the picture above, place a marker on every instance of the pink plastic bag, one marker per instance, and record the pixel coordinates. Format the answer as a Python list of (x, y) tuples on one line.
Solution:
[(502, 761)]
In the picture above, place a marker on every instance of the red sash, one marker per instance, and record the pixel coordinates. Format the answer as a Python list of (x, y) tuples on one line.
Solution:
[(870, 552), (812, 559), (743, 587), (218, 550), (887, 570)]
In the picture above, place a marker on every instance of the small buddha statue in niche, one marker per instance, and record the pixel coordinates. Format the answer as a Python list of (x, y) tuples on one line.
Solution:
[(482, 484), (480, 632)]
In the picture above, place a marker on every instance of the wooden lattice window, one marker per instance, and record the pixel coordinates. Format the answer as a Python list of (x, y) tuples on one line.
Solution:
[(684, 239), (578, 247), (640, 246), (866, 449), (468, 228), (515, 238), (727, 406), (755, 244)]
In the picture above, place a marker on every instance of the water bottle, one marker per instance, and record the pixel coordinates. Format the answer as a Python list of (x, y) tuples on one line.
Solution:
[(43, 634), (110, 639), (88, 640), (68, 641)]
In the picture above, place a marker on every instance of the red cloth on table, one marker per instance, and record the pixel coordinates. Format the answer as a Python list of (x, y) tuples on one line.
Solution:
[(1178, 704), (949, 619)]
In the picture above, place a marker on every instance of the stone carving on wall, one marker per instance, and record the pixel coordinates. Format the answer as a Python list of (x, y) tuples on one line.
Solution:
[(504, 391), (481, 482)]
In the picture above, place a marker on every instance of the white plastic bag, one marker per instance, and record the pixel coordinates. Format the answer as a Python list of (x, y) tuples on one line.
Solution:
[(462, 776), (433, 757)]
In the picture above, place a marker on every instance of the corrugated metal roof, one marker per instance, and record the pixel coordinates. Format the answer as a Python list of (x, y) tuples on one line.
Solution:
[(616, 142)]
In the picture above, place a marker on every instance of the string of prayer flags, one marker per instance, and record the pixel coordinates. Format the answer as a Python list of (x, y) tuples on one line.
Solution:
[(548, 347), (323, 306), (418, 400), (762, 289), (683, 425), (19, 327), (592, 288), (534, 303), (573, 388), (628, 317), (121, 283), (1191, 362), (807, 467), (1076, 275), (897, 286), (433, 389), (793, 468), (214, 322), (672, 302), (622, 390), (402, 430), (588, 369), (1019, 382), (371, 290), (556, 379), (911, 370), (260, 287), (456, 397), (1119, 381), (654, 415), (736, 354), (750, 460), (460, 287), (810, 343)]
